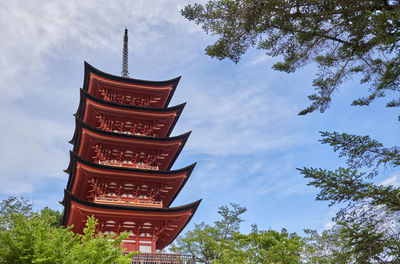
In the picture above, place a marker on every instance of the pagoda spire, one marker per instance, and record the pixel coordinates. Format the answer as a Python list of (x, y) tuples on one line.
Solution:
[(125, 72)]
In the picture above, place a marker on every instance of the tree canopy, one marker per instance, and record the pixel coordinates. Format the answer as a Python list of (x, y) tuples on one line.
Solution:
[(223, 243), (342, 37), (369, 224), (30, 237)]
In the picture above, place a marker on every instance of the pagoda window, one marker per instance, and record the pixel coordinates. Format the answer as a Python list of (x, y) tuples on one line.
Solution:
[(145, 249), (145, 235), (128, 224), (110, 223)]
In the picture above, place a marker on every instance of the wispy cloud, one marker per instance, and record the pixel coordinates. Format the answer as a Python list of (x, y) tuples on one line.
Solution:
[(257, 60), (32, 31), (32, 150), (250, 176), (239, 121), (393, 180)]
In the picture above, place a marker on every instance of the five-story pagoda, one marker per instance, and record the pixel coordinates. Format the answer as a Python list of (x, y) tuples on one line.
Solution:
[(120, 165)]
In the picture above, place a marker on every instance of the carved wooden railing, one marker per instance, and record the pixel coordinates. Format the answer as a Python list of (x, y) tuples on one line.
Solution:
[(129, 159), (144, 100), (161, 258), (133, 127)]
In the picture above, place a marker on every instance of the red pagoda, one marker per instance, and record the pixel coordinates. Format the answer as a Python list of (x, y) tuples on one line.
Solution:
[(120, 165)]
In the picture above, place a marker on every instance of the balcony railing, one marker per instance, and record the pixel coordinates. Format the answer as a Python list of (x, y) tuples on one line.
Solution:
[(161, 258)]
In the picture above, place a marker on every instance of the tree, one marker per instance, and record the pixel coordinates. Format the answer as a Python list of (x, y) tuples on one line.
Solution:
[(343, 37), (223, 243), (11, 207), (329, 247), (230, 222), (371, 236), (369, 224), (203, 241), (30, 237), (261, 247), (53, 215)]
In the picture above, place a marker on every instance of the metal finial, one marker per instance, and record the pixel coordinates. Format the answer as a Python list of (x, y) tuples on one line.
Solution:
[(125, 72)]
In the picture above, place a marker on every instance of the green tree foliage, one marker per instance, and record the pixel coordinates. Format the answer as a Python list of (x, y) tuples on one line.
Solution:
[(13, 206), (203, 241), (29, 237), (369, 223), (222, 242), (230, 222), (350, 184), (326, 248), (53, 215), (261, 247), (343, 37), (371, 236)]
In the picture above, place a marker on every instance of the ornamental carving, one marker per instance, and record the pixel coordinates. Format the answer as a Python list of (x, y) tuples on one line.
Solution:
[(126, 193), (127, 158), (142, 100), (134, 127)]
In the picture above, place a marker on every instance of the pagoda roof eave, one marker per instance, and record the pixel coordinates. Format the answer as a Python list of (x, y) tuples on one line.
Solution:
[(90, 69), (81, 124), (74, 158), (75, 141), (192, 207), (84, 96)]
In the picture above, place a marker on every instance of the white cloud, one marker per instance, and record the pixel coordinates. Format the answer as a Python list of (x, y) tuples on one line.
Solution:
[(239, 121), (393, 180), (250, 176), (258, 60), (32, 150), (329, 223), (31, 31)]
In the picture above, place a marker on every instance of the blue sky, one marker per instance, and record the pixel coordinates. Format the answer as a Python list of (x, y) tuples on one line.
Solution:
[(247, 137)]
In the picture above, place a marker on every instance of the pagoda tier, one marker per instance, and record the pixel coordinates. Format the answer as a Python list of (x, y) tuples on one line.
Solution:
[(149, 228), (123, 150), (135, 187), (127, 119), (128, 91)]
